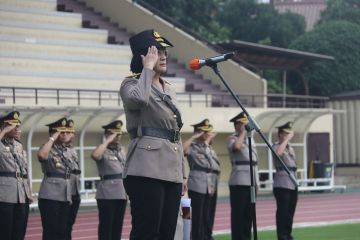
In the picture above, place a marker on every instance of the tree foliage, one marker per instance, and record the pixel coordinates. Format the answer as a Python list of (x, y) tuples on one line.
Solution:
[(254, 22), (348, 10), (246, 20), (197, 15), (340, 39)]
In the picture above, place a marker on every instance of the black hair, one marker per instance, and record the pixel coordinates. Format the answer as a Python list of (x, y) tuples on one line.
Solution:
[(136, 65)]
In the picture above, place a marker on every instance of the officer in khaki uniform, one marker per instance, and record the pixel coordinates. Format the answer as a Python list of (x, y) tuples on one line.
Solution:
[(154, 169), (110, 194), (55, 194), (15, 193), (240, 181), (286, 194), (74, 178), (203, 179)]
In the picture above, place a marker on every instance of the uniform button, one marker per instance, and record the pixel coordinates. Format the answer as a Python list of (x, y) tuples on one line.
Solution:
[(175, 148), (175, 116), (148, 147)]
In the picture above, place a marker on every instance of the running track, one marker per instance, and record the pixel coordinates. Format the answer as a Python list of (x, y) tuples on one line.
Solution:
[(312, 209)]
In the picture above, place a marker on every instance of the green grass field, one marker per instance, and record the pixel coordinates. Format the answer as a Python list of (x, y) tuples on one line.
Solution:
[(333, 232)]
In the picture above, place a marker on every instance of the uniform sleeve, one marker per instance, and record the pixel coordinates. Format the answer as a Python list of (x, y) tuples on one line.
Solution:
[(189, 155), (49, 156), (230, 143), (136, 92)]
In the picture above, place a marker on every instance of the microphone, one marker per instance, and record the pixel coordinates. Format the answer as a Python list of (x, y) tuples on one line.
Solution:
[(196, 63)]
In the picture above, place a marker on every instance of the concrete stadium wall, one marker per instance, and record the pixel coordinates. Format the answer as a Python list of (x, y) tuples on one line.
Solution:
[(347, 132)]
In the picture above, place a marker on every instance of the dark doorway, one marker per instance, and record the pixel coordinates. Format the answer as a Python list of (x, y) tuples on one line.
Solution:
[(318, 146)]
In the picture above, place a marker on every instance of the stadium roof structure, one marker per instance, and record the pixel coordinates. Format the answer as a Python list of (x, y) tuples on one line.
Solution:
[(346, 95), (261, 57), (258, 57), (302, 119)]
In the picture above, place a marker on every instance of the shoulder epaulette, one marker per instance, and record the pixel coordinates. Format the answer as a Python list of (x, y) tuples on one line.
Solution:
[(167, 82), (134, 75)]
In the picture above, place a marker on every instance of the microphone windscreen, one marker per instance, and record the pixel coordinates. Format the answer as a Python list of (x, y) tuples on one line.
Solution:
[(194, 64)]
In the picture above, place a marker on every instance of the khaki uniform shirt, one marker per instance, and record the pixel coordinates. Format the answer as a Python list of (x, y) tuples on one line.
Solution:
[(240, 174), (56, 188), (13, 159), (202, 155), (281, 178), (111, 162), (150, 156), (74, 178)]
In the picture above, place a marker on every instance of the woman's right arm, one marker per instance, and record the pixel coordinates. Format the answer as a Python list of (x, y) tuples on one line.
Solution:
[(136, 92), (282, 146), (99, 150), (187, 143), (43, 152)]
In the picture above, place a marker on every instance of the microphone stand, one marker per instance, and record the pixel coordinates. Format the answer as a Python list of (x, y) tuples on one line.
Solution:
[(252, 125)]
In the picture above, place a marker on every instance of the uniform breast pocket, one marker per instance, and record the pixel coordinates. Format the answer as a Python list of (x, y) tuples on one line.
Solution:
[(149, 144)]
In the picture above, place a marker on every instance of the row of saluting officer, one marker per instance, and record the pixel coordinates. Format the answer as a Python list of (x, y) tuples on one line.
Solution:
[(59, 197), (153, 173)]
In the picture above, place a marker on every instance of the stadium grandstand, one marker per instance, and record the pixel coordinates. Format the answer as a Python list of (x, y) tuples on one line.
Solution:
[(68, 58)]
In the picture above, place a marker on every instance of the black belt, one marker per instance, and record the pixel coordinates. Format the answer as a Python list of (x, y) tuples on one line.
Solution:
[(171, 135), (111, 176), (76, 171), (237, 163), (204, 169), (13, 174), (58, 175), (290, 168)]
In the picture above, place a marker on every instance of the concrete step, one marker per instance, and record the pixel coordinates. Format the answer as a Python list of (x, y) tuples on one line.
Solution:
[(92, 19), (40, 16), (73, 68), (33, 4), (51, 31), (100, 53)]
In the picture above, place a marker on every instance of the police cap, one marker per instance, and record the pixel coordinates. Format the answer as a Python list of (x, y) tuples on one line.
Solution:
[(204, 125), (12, 118), (241, 117), (146, 39), (114, 127)]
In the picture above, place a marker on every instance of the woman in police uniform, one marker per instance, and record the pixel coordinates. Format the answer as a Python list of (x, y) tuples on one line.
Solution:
[(15, 193), (55, 189), (154, 166), (203, 179), (240, 180), (110, 194), (286, 193)]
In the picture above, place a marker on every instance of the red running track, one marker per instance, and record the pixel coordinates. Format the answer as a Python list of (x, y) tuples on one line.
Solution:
[(312, 209)]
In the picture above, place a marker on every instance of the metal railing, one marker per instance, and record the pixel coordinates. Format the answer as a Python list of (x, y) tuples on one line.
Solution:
[(78, 97)]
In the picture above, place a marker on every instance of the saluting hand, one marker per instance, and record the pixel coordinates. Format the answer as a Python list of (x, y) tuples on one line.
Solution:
[(5, 130), (55, 135), (110, 138), (8, 128), (151, 58), (197, 135)]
